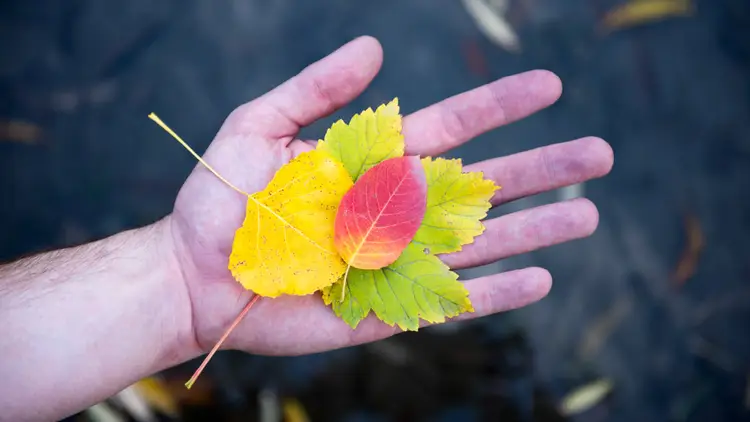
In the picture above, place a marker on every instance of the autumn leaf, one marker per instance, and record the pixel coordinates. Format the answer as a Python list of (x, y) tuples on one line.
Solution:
[(585, 397), (378, 217), (416, 286), (285, 245), (636, 12), (370, 138), (456, 202), (19, 131), (157, 394)]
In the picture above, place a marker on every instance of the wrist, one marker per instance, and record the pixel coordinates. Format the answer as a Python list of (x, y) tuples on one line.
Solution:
[(180, 343)]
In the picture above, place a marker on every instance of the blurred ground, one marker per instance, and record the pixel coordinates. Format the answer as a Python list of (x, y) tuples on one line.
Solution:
[(80, 160)]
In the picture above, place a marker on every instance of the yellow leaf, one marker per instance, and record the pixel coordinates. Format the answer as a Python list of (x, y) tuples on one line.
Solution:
[(585, 397), (637, 12), (285, 245), (134, 404), (369, 138), (294, 411), (156, 392)]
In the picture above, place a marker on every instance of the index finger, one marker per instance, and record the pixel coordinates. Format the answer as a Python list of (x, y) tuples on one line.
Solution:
[(451, 122)]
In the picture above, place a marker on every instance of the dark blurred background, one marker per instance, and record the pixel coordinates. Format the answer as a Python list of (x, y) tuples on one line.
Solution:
[(644, 322)]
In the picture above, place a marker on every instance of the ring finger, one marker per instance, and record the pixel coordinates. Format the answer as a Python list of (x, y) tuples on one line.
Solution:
[(528, 173)]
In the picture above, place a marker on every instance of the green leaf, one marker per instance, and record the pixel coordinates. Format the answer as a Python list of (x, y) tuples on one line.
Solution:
[(416, 286), (355, 307), (456, 202), (369, 138)]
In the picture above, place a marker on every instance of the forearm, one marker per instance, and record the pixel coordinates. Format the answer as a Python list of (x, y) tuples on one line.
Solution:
[(79, 324)]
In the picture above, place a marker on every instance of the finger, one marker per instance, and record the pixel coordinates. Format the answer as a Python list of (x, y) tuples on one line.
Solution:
[(526, 231), (489, 295), (546, 168), (506, 291), (317, 91), (450, 123)]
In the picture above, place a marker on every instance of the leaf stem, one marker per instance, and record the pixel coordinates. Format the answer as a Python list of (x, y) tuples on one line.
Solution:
[(164, 126), (236, 322), (343, 286)]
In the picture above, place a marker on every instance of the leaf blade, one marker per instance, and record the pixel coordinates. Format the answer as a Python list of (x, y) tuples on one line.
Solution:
[(380, 214), (457, 201), (285, 245), (368, 139), (416, 286)]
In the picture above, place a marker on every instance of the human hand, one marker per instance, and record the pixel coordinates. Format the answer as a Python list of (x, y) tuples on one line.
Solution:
[(259, 137)]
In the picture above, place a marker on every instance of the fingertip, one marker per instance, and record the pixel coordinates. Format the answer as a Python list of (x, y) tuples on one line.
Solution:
[(588, 216), (540, 281), (369, 47), (545, 83), (586, 158), (554, 81), (508, 290), (370, 42), (603, 150)]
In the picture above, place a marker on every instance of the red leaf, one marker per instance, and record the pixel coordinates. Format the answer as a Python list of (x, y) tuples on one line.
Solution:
[(380, 214)]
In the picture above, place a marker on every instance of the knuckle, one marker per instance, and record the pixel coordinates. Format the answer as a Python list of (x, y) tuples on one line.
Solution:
[(454, 124)]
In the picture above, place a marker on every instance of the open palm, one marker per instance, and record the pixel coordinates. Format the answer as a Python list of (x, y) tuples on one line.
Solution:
[(259, 137)]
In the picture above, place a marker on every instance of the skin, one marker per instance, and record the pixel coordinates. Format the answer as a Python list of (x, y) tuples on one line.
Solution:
[(82, 323)]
